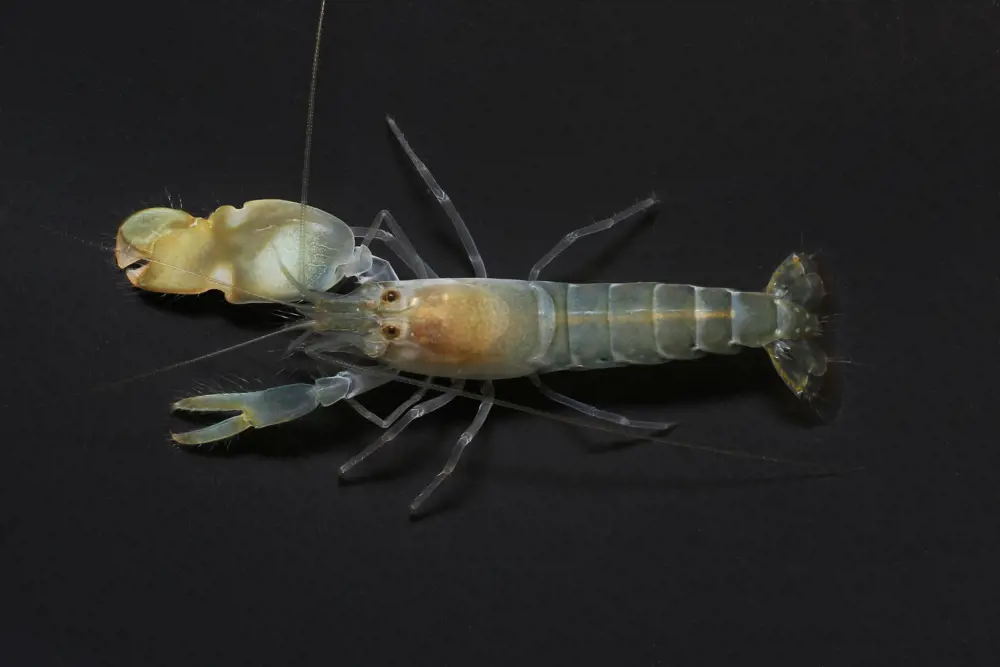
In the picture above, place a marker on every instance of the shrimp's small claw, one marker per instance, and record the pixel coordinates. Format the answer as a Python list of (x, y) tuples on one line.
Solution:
[(256, 409), (267, 407)]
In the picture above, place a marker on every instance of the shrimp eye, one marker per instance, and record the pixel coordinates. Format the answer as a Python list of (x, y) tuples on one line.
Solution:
[(390, 296), (390, 331)]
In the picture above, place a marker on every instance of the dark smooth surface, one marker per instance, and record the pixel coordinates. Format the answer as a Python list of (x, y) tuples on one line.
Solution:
[(869, 132)]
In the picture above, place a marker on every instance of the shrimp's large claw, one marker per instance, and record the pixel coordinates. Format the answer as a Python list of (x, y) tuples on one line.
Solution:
[(161, 250), (247, 253)]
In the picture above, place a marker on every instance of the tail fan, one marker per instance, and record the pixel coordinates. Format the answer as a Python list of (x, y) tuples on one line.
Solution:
[(799, 358)]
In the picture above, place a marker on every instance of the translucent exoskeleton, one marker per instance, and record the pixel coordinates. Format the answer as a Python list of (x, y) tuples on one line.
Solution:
[(464, 329)]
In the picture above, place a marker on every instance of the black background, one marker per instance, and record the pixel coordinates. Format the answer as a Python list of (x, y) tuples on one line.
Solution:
[(867, 131)]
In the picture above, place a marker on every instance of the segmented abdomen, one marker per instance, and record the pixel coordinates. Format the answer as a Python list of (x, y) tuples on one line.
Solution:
[(612, 324)]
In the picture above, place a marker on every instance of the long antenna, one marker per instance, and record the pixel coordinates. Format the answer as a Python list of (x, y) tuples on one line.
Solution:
[(194, 360), (307, 152)]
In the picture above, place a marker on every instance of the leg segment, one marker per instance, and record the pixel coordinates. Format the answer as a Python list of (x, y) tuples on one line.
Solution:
[(268, 407), (601, 225), (395, 414), (417, 411), (449, 208), (397, 241), (456, 452), (597, 412)]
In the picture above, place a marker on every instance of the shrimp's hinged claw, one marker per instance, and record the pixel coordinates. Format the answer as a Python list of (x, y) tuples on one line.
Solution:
[(258, 409), (233, 250), (136, 246)]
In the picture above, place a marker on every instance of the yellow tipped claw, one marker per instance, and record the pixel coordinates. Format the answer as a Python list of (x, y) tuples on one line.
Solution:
[(256, 409), (242, 252)]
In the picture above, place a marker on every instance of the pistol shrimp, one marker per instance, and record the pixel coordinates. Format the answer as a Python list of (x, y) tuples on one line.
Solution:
[(478, 329)]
